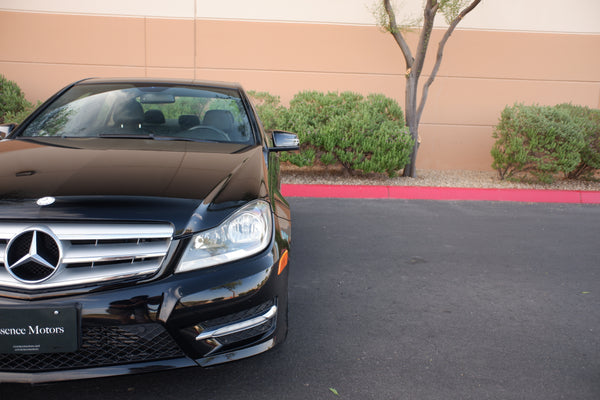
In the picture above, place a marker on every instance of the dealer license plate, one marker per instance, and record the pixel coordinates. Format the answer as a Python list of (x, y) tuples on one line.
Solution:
[(39, 330)]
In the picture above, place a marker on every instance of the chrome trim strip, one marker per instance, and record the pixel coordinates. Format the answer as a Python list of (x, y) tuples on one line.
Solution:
[(113, 252), (236, 355), (83, 231), (82, 276), (238, 327), (2, 252)]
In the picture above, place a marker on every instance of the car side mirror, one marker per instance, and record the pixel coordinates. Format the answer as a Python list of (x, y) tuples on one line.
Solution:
[(6, 129), (285, 141)]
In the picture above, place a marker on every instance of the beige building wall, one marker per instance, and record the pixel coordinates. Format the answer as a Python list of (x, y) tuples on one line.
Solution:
[(507, 51)]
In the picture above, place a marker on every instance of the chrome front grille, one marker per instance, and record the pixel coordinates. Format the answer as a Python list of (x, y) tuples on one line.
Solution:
[(92, 253)]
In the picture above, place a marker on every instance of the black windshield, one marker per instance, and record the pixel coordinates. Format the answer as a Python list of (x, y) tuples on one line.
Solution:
[(132, 111)]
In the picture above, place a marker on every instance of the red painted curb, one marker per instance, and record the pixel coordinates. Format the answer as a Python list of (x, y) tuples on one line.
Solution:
[(440, 193)]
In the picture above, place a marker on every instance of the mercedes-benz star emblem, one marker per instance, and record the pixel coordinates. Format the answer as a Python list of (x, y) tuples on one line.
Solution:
[(33, 255)]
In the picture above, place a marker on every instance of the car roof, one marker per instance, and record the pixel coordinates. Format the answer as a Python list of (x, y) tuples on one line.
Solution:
[(161, 81)]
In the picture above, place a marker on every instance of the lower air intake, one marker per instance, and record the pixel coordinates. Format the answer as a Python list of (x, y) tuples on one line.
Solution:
[(101, 347)]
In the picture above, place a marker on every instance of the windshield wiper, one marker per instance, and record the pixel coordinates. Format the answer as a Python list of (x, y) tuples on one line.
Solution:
[(126, 136), (152, 136), (73, 137)]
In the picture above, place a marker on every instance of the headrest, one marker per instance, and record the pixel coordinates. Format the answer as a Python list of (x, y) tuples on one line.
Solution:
[(129, 112), (154, 117), (188, 121), (221, 119)]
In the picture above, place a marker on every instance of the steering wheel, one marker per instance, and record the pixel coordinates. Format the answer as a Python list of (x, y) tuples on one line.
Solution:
[(205, 132)]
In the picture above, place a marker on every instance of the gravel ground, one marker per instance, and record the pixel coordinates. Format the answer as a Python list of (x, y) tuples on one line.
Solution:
[(464, 179)]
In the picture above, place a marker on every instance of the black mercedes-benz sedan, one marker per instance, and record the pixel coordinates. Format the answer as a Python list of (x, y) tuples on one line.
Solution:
[(141, 228)]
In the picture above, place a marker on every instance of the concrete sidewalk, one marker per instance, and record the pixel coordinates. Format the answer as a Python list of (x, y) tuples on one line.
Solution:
[(441, 193)]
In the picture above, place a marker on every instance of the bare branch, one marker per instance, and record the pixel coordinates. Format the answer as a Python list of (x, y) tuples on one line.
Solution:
[(440, 54), (429, 12), (395, 31)]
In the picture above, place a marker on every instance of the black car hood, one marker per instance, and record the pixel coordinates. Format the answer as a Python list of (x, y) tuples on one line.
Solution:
[(192, 185)]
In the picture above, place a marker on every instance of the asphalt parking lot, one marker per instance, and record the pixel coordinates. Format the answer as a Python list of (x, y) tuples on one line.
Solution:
[(406, 299)]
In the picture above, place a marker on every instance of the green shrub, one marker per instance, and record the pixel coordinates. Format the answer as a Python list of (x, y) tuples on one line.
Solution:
[(536, 142), (361, 134), (269, 109), (181, 106), (14, 108), (302, 158), (588, 121)]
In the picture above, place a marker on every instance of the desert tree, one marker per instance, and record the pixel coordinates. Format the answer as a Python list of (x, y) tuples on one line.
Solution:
[(453, 11)]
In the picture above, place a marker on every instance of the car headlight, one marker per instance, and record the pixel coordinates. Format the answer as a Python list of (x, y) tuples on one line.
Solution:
[(246, 232)]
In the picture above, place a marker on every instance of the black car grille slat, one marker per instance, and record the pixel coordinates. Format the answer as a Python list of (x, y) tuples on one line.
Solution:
[(101, 346)]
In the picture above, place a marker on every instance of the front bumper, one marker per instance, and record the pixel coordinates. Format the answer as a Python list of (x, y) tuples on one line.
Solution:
[(203, 317)]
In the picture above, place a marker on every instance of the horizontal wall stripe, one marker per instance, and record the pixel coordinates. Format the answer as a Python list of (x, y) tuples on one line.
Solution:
[(136, 8), (504, 15)]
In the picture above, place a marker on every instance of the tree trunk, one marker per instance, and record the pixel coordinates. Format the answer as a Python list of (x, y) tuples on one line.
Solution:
[(412, 120), (414, 65), (410, 170)]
